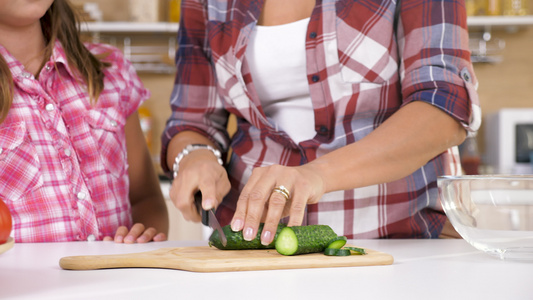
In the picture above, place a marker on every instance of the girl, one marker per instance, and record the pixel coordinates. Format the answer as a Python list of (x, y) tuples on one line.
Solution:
[(73, 160)]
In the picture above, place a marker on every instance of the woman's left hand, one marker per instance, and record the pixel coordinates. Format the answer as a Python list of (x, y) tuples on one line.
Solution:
[(274, 192), (138, 233)]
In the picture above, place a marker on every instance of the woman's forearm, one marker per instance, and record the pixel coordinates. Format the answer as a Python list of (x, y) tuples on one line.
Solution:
[(411, 137)]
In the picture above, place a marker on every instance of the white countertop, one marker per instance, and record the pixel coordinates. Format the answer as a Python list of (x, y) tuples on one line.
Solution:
[(423, 269)]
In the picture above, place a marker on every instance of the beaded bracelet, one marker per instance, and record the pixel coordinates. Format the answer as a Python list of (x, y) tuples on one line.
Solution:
[(191, 148)]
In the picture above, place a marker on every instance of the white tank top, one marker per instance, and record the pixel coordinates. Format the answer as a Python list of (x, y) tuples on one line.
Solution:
[(276, 57)]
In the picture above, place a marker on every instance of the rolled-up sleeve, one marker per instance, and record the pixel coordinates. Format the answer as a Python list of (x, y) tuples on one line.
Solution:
[(435, 59)]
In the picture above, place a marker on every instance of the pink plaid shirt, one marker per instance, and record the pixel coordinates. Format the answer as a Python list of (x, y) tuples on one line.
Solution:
[(63, 167), (360, 70)]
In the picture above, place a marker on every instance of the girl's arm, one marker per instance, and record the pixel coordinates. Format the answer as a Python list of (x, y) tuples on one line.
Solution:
[(148, 206)]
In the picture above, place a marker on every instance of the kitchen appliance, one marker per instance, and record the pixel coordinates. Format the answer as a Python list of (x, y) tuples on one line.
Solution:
[(509, 141), (210, 259)]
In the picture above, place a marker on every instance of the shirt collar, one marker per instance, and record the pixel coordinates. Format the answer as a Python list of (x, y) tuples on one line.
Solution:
[(58, 57)]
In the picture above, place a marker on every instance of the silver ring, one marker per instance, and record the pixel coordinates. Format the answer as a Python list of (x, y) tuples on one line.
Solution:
[(282, 190)]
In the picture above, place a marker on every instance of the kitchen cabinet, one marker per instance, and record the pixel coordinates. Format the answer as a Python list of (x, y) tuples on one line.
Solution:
[(149, 46), (485, 48)]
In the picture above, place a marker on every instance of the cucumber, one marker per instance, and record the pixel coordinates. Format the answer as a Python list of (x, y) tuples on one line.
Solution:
[(357, 251), (338, 242), (337, 252), (304, 239), (235, 240)]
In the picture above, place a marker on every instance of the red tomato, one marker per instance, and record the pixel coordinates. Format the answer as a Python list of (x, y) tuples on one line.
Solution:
[(5, 222)]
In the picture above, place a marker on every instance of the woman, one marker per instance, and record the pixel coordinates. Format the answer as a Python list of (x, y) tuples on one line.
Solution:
[(347, 112), (73, 160)]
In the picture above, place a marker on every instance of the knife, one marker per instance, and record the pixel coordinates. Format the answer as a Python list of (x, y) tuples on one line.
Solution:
[(209, 218)]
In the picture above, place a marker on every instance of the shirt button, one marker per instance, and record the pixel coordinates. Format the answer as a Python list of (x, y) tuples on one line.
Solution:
[(323, 130), (26, 74), (49, 107), (67, 152), (312, 35), (315, 78), (1, 150), (47, 67), (91, 238), (81, 195), (114, 123)]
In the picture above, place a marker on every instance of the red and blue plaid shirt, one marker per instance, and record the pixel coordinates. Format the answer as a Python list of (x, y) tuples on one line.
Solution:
[(360, 71), (63, 166)]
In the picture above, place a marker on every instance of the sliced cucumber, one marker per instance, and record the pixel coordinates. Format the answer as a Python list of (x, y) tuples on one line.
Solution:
[(304, 239), (338, 242), (357, 251), (337, 252), (236, 241)]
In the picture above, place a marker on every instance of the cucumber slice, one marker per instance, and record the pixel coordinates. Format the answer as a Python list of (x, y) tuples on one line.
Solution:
[(357, 251), (304, 239), (337, 252), (330, 251), (338, 242)]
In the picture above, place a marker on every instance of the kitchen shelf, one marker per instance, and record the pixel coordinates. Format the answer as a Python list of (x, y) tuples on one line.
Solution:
[(129, 27), (166, 27), (151, 55), (496, 21), (481, 50)]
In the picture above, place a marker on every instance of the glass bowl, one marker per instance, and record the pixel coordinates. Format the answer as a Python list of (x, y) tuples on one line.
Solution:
[(494, 213)]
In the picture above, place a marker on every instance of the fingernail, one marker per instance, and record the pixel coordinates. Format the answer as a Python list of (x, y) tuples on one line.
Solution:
[(236, 225), (248, 234), (119, 239), (209, 204), (266, 238), (129, 239)]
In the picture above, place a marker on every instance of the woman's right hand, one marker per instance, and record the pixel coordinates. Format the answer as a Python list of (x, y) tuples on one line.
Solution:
[(199, 171)]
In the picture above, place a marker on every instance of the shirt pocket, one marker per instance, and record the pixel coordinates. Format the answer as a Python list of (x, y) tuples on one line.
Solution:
[(107, 129), (20, 168)]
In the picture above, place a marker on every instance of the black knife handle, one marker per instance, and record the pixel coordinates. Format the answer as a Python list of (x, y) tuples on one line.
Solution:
[(198, 202)]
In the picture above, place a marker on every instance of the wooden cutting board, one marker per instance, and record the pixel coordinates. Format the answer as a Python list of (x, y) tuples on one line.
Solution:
[(210, 259)]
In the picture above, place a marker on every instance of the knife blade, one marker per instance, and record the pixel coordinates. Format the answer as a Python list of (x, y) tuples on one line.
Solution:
[(209, 218)]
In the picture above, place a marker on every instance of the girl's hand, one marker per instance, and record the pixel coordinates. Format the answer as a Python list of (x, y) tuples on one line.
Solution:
[(260, 202), (138, 233)]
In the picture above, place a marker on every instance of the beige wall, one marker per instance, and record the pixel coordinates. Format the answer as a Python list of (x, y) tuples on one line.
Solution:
[(509, 83)]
